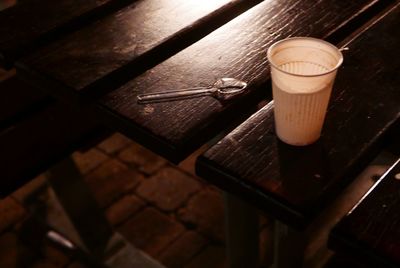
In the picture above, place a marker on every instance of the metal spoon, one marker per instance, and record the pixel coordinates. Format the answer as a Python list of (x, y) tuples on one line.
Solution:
[(222, 89)]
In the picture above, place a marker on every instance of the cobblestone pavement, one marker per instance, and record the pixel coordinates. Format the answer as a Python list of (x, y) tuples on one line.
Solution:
[(163, 209)]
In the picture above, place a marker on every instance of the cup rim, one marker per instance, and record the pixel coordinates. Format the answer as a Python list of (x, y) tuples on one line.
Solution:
[(338, 64)]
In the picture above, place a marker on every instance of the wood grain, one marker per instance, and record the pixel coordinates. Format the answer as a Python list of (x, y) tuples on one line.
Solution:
[(238, 49), (81, 61), (295, 183), (32, 23), (371, 232)]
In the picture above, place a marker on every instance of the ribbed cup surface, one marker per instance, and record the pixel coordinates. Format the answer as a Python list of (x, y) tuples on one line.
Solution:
[(303, 68), (299, 117)]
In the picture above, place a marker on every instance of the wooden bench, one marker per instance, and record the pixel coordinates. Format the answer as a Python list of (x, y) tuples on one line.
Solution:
[(370, 232)]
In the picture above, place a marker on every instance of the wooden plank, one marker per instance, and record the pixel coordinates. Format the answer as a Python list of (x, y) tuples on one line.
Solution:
[(140, 34), (40, 140), (31, 23), (295, 183), (370, 233), (238, 49)]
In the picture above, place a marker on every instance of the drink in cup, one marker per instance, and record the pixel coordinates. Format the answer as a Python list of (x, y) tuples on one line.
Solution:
[(303, 70)]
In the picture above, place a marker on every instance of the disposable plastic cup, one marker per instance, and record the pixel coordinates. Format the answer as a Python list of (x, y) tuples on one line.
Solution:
[(303, 71)]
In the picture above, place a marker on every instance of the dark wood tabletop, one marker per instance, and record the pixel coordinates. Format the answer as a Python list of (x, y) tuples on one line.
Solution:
[(36, 22), (115, 48), (105, 57), (371, 230), (294, 184)]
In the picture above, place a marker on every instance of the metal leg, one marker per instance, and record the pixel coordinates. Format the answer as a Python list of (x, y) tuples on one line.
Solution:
[(92, 232), (80, 206), (242, 233), (289, 247)]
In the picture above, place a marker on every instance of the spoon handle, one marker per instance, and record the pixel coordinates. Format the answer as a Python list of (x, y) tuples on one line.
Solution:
[(175, 94)]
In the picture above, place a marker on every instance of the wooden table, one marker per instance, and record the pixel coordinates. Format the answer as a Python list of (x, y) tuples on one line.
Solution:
[(101, 63)]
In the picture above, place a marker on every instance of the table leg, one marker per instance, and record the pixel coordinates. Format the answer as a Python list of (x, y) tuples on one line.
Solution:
[(242, 233), (80, 207), (93, 232), (289, 246)]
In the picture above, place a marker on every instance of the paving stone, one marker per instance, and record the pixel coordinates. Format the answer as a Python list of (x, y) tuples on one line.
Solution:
[(168, 189), (123, 209), (212, 256), (151, 231), (138, 156), (89, 160), (181, 251), (14, 254), (111, 180), (114, 144), (205, 211), (10, 213)]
